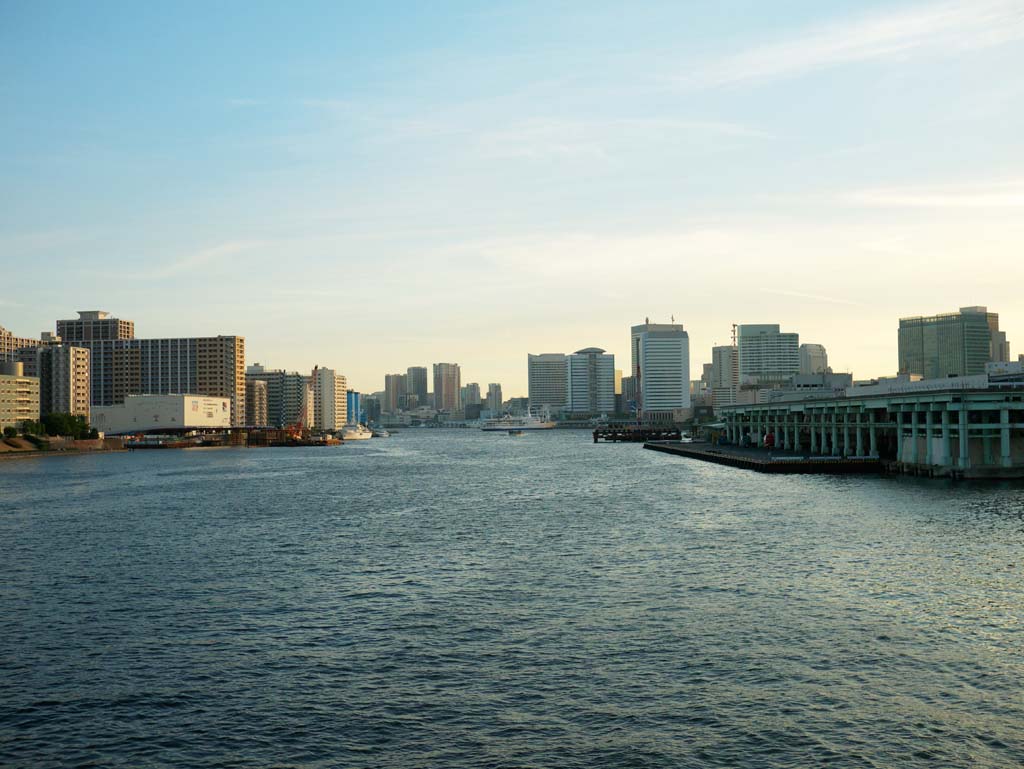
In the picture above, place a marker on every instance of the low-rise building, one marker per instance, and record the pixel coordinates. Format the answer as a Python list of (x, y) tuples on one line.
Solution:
[(156, 413)]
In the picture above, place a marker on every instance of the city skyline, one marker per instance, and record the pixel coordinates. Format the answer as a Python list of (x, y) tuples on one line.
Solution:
[(473, 184)]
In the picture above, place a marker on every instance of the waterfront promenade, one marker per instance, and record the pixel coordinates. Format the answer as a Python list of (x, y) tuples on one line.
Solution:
[(769, 461)]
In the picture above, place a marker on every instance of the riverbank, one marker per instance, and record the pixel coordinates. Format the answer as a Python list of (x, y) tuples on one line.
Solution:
[(21, 448)]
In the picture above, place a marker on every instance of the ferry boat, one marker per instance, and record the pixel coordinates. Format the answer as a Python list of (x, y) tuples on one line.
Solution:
[(516, 425), (380, 432), (356, 433)]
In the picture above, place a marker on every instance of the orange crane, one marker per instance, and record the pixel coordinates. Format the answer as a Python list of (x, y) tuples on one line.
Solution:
[(299, 429)]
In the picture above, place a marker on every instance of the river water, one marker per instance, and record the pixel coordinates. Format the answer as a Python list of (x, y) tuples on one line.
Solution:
[(448, 598)]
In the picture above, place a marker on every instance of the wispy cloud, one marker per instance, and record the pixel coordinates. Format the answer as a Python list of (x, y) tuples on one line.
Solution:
[(813, 297), (934, 28), (1004, 194), (553, 137), (203, 258)]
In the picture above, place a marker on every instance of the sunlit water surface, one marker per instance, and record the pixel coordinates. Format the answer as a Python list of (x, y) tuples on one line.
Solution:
[(459, 599)]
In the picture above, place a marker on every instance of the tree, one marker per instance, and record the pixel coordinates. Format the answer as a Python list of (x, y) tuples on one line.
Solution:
[(10, 432), (56, 423)]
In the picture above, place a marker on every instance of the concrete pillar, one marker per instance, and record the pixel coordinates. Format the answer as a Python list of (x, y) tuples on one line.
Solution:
[(780, 429), (944, 459), (846, 432), (860, 433), (929, 454), (812, 429), (834, 445), (914, 459), (797, 420), (899, 435), (872, 434), (1004, 438), (965, 453)]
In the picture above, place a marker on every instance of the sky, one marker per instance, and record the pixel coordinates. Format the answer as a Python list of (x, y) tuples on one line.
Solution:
[(373, 186)]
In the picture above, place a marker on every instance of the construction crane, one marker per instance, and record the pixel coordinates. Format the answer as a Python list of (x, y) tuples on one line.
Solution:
[(299, 430)]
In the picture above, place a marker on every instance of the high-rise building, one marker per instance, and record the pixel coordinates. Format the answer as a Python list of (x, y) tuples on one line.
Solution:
[(395, 390), (63, 373), (627, 399), (951, 344), (546, 378), (494, 399), (813, 359), (122, 365), (590, 382), (660, 355), (19, 395), (11, 344), (354, 408), (286, 394), (470, 395), (256, 402), (725, 375), (447, 387), (330, 404), (416, 383), (766, 355)]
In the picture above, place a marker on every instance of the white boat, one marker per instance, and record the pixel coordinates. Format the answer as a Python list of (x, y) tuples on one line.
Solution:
[(380, 432), (356, 433), (513, 425)]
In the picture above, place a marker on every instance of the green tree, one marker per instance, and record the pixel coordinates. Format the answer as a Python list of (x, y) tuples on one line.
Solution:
[(56, 423), (10, 432)]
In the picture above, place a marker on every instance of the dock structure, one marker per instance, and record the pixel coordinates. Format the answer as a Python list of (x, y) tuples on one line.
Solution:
[(771, 462), (962, 427), (634, 433)]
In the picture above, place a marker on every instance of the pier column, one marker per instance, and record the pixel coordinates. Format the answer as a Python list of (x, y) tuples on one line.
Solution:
[(860, 434), (944, 459), (1004, 438), (834, 445), (823, 448), (899, 435), (965, 452), (780, 432), (811, 428), (913, 435), (797, 421), (846, 432), (872, 434), (929, 454)]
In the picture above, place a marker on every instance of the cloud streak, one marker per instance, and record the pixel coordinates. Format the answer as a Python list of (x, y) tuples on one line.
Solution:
[(1007, 194), (938, 28)]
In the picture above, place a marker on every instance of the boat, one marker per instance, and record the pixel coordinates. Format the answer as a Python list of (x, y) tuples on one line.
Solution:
[(356, 433), (516, 425), (380, 432)]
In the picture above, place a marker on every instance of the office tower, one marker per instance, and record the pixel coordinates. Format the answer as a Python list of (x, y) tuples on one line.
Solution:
[(627, 399), (618, 381), (951, 344), (11, 344), (256, 402), (417, 383), (63, 373), (546, 378), (394, 392), (725, 375), (470, 395), (122, 365), (19, 395), (354, 408), (767, 356), (518, 406), (660, 355), (447, 386), (813, 359), (330, 403), (494, 399), (590, 382), (286, 393)]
